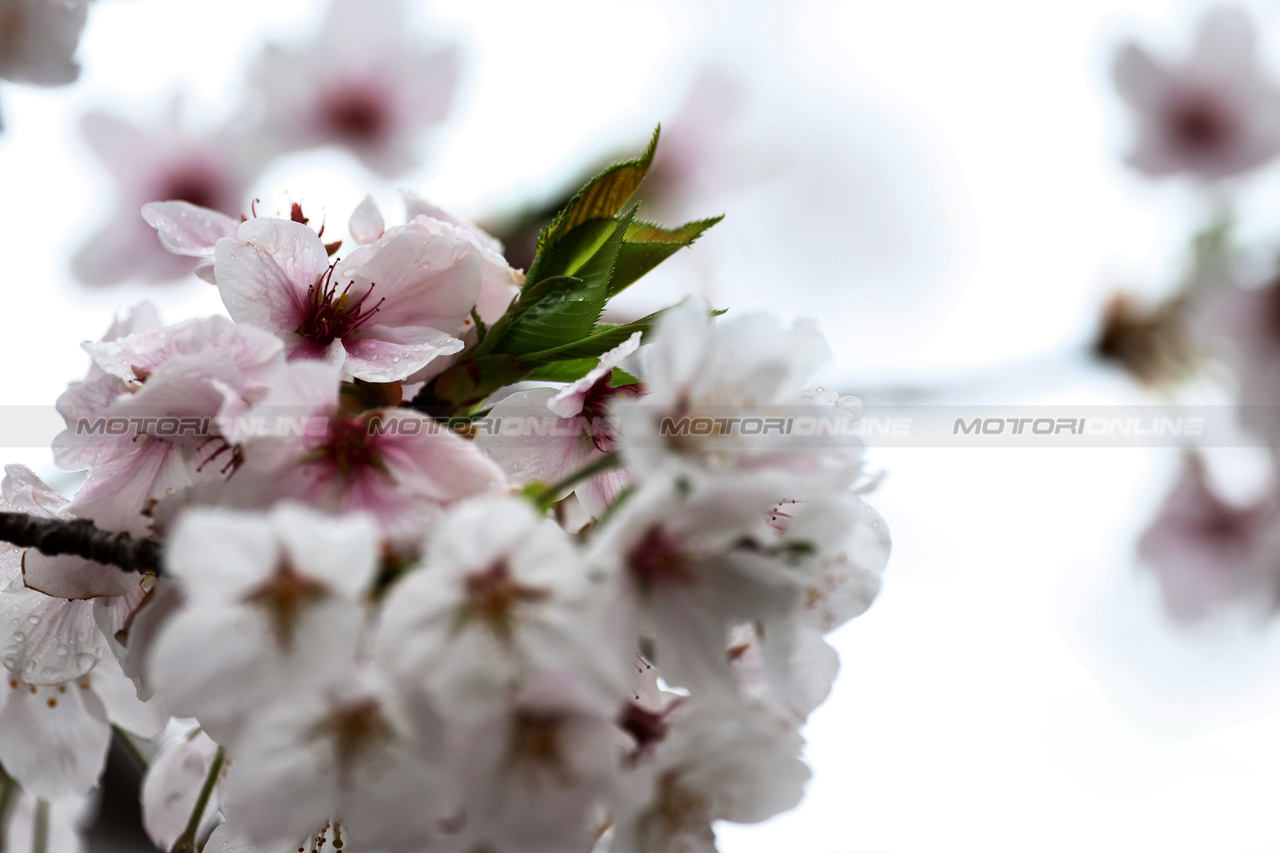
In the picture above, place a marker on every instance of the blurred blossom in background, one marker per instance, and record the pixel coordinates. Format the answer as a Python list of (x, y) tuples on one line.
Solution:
[(991, 203)]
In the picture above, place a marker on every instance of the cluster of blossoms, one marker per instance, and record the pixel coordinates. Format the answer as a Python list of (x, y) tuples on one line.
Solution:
[(366, 83), (375, 615), (1216, 120)]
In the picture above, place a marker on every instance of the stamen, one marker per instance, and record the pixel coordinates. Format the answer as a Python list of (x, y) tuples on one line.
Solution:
[(331, 315)]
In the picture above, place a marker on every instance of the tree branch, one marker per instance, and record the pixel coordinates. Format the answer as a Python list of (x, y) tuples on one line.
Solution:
[(79, 537)]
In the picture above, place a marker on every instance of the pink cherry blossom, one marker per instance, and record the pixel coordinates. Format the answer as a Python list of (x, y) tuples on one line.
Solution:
[(1208, 554), (368, 83), (583, 435), (382, 313), (164, 161), (1214, 115), (188, 229), (395, 464)]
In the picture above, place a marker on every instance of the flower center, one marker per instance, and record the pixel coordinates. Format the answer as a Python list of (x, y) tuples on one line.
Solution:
[(493, 596), (348, 448), (648, 728), (657, 559), (193, 184), (284, 598), (1200, 123), (537, 746), (355, 113), (358, 731), (329, 315), (595, 409)]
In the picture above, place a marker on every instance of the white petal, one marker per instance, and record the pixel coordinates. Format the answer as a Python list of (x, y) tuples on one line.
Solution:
[(366, 224)]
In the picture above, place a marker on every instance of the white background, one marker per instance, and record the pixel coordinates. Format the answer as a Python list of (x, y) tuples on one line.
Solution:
[(1016, 687)]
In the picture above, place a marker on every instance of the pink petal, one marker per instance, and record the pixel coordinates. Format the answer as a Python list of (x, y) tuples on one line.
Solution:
[(186, 229), (383, 354)]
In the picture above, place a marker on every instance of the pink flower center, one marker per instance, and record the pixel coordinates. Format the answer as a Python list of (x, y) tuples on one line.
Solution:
[(356, 113), (1200, 123), (1224, 526), (329, 315), (194, 183), (658, 560), (348, 449), (595, 408)]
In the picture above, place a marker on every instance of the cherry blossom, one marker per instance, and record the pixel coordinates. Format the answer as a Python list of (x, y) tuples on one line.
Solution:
[(357, 757), (1212, 116), (532, 769), (502, 596), (367, 83), (499, 282), (583, 435), (700, 372), (1207, 553), (386, 629), (278, 597), (189, 229), (396, 465), (381, 314), (686, 564), (718, 762), (163, 161)]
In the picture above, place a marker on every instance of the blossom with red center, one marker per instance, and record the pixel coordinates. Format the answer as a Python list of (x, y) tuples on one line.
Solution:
[(583, 431), (1209, 554), (382, 313), (368, 83), (163, 161), (395, 464), (1214, 115)]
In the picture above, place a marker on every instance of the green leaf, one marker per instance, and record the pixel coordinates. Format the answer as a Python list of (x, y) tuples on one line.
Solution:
[(570, 370), (620, 377), (573, 250), (647, 245), (603, 338), (559, 313), (602, 198)]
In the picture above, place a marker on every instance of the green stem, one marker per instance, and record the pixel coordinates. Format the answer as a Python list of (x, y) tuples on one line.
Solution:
[(186, 843), (546, 497), (40, 837)]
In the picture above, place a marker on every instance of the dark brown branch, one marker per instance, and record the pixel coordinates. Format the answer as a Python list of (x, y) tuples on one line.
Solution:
[(79, 537)]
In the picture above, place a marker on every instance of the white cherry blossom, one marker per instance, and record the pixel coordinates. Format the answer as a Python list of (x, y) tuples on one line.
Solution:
[(713, 386), (1213, 115), (273, 606)]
